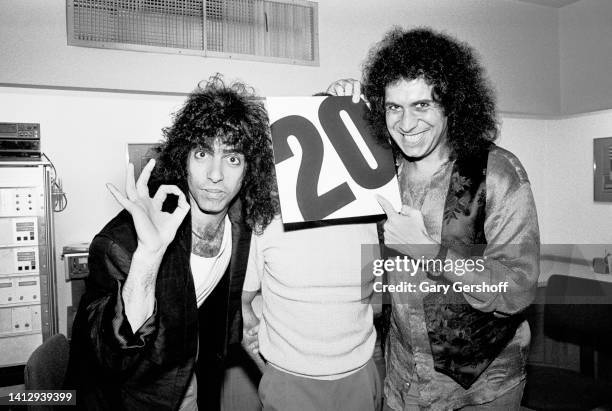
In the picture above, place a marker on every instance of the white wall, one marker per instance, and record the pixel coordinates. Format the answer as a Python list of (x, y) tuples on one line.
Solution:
[(585, 34), (558, 156), (525, 137), (518, 43), (571, 214)]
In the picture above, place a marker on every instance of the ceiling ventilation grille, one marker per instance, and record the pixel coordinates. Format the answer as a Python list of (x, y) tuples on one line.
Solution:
[(251, 29)]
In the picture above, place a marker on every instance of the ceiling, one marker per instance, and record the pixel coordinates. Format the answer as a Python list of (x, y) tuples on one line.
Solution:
[(551, 3)]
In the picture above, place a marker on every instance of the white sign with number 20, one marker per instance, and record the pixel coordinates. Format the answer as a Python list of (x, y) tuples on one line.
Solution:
[(328, 166)]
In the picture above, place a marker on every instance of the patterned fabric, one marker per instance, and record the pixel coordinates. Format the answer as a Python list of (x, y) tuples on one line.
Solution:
[(511, 254), (464, 340)]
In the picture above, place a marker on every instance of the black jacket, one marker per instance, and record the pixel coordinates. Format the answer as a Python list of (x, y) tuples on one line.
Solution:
[(112, 368)]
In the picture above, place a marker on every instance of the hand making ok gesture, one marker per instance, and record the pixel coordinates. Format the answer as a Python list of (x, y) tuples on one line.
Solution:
[(155, 228)]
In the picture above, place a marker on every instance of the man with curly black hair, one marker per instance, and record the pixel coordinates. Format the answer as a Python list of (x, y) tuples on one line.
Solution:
[(163, 295), (466, 203)]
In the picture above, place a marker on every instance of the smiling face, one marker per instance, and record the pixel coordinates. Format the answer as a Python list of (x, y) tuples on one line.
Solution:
[(415, 121), (214, 177)]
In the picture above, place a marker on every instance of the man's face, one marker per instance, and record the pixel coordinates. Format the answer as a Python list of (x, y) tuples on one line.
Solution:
[(214, 176), (415, 121)]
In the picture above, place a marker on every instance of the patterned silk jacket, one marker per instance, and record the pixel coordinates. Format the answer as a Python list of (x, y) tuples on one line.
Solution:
[(464, 348)]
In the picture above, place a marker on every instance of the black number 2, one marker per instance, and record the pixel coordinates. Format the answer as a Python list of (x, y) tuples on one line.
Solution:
[(313, 206)]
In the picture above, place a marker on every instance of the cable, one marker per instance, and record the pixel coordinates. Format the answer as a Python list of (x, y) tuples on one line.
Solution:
[(59, 198)]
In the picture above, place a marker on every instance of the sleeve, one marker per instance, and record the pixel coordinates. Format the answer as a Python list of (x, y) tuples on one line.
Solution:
[(102, 317), (255, 265), (513, 247)]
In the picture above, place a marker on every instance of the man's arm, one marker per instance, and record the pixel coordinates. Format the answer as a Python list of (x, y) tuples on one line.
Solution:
[(138, 292), (512, 255), (101, 323), (155, 230), (119, 304), (250, 321)]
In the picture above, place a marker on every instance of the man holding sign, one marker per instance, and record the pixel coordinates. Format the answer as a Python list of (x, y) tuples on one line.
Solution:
[(317, 333), (465, 201)]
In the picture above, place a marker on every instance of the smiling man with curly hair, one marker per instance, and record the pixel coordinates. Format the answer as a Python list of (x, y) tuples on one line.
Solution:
[(163, 294), (464, 200)]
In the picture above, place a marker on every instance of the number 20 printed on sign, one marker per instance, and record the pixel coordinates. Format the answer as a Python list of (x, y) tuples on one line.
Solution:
[(328, 166)]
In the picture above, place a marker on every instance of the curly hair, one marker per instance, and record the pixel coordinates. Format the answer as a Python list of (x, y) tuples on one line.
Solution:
[(235, 116), (457, 79)]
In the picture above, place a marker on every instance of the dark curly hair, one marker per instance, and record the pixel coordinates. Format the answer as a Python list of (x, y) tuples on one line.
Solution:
[(234, 115), (451, 68)]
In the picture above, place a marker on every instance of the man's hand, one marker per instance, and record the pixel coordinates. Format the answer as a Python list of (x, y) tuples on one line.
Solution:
[(346, 87), (405, 231), (155, 228), (250, 331), (250, 334)]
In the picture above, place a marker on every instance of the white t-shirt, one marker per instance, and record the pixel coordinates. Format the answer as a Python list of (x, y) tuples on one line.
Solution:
[(316, 320), (207, 271)]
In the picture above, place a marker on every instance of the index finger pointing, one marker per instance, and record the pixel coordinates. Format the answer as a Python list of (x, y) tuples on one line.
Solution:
[(386, 205)]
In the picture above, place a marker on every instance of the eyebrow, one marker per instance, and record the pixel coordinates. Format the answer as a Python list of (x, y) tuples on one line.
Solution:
[(423, 100), (414, 103), (225, 150), (230, 150)]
